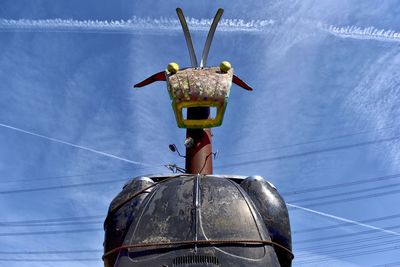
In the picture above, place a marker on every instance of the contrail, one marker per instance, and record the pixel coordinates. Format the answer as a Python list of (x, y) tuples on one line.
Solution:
[(133, 25), (163, 25), (76, 146), (344, 219), (364, 33)]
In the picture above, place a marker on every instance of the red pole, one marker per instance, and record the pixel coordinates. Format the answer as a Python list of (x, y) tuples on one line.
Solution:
[(199, 155)]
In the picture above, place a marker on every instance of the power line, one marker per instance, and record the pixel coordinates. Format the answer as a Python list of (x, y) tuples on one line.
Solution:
[(316, 204), (51, 224), (113, 172), (52, 252), (361, 251), (52, 232), (308, 153), (17, 191), (345, 224), (388, 264), (346, 193), (348, 255), (76, 146), (323, 249), (51, 260), (344, 235), (348, 242), (59, 177), (338, 218), (313, 141), (54, 219), (340, 185)]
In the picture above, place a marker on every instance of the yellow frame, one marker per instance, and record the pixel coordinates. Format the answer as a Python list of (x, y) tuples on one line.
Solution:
[(200, 124)]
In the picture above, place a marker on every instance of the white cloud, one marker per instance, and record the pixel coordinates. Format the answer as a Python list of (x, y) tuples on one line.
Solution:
[(363, 33), (132, 25)]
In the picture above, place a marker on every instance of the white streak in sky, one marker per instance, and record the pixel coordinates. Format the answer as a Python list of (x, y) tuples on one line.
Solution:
[(76, 146), (364, 33), (344, 219), (130, 26), (162, 25)]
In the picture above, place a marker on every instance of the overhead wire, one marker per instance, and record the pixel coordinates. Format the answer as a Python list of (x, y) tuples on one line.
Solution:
[(389, 264), (349, 255), (323, 249), (52, 232), (44, 252), (113, 172), (338, 218), (352, 241), (76, 146), (62, 219), (50, 260), (330, 227), (346, 193), (46, 188), (60, 177), (314, 141), (349, 199), (51, 224), (341, 185), (307, 153), (346, 235)]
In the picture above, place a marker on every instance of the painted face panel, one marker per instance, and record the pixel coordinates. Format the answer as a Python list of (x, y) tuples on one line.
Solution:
[(207, 84), (206, 87)]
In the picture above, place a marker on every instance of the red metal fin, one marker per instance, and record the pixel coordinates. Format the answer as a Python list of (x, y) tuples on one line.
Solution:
[(160, 76), (236, 80)]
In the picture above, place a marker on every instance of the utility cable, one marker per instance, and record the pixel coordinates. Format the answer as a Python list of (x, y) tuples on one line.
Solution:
[(341, 185), (50, 260), (44, 252), (301, 231), (313, 141), (52, 232), (51, 224), (76, 146), (307, 153), (385, 193), (349, 255), (60, 177), (38, 189), (347, 193), (338, 218), (62, 219)]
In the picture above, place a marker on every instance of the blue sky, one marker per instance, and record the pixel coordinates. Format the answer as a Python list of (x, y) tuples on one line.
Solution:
[(323, 112)]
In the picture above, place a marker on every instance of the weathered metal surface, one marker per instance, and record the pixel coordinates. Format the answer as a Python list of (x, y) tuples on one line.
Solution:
[(274, 213), (203, 208), (117, 224), (166, 216), (193, 84)]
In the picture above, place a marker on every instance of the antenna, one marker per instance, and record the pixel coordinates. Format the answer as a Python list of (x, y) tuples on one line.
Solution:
[(210, 36), (186, 32)]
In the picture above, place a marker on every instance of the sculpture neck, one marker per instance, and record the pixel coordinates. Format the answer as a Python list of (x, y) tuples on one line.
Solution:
[(199, 156)]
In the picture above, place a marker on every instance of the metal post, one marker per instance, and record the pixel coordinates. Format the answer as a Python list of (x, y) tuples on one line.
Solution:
[(199, 156)]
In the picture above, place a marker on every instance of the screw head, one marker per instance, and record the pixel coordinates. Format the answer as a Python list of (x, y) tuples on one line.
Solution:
[(173, 68), (225, 66)]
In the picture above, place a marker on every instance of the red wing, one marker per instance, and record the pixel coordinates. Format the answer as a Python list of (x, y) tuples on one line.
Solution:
[(236, 80), (160, 76)]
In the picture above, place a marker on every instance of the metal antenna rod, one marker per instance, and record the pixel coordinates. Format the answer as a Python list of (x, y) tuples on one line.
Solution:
[(186, 32), (210, 37)]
